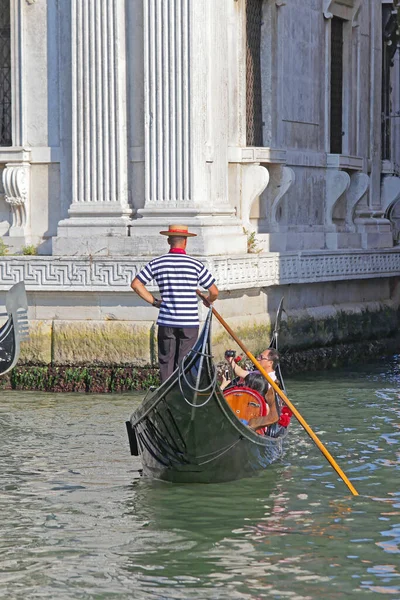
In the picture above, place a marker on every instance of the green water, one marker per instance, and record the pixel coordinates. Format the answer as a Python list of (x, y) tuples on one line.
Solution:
[(78, 521)]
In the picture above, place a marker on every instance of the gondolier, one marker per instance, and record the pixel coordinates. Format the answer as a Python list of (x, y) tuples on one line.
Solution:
[(178, 276)]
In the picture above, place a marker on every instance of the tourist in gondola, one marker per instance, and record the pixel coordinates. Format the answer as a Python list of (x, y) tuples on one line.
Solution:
[(178, 276), (268, 360), (255, 380)]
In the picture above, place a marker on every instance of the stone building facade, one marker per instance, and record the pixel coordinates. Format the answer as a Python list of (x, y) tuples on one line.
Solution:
[(270, 127)]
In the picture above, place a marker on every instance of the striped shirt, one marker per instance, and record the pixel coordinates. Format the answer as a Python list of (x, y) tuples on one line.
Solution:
[(178, 276)]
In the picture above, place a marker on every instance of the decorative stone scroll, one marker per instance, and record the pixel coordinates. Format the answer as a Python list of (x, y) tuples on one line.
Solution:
[(16, 187), (254, 181), (285, 182), (390, 193), (326, 7), (337, 183), (359, 185)]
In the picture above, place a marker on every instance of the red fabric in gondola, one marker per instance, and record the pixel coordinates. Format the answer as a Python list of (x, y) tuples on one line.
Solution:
[(285, 417)]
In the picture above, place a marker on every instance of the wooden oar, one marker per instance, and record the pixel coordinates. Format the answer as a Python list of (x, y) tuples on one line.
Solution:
[(285, 399)]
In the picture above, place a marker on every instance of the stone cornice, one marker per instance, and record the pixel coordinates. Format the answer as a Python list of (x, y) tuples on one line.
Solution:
[(103, 274)]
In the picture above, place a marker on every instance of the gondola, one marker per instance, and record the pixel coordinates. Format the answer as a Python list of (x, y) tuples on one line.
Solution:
[(15, 328), (185, 431)]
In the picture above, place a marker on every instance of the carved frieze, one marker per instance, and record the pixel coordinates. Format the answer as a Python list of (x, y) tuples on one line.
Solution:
[(59, 274)]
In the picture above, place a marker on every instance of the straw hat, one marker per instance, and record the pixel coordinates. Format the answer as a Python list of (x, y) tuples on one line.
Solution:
[(178, 230)]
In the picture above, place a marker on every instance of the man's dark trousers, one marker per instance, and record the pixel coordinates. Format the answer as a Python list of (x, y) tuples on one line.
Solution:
[(173, 344)]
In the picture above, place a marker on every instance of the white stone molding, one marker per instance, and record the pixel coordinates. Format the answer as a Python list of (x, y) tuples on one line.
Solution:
[(16, 179), (99, 141), (254, 181), (103, 274), (337, 183), (343, 161), (254, 154), (359, 185), (30, 1), (281, 187)]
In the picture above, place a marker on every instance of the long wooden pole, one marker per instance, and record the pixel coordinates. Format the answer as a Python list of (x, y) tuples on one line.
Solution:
[(286, 400)]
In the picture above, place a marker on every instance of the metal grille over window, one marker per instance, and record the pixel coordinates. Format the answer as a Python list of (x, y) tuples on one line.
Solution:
[(336, 85), (253, 73), (5, 74)]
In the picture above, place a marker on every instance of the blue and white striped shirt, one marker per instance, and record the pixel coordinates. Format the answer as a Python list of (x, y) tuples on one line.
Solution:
[(178, 277)]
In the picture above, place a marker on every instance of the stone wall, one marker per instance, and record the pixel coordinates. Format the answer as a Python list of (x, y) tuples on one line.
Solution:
[(82, 311)]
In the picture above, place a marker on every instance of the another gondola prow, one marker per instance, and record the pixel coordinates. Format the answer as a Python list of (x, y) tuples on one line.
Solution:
[(15, 329)]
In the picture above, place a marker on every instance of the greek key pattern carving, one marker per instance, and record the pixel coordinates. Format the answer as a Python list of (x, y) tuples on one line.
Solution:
[(42, 273)]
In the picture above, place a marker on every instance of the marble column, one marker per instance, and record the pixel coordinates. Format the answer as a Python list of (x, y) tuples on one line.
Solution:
[(99, 139), (186, 127)]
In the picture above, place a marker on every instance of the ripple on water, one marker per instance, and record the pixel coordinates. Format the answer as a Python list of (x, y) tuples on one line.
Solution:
[(79, 522)]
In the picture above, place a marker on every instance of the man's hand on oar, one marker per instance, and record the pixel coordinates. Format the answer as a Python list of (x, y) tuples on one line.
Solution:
[(204, 298)]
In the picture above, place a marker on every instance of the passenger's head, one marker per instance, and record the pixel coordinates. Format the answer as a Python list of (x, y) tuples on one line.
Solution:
[(256, 382), (269, 359)]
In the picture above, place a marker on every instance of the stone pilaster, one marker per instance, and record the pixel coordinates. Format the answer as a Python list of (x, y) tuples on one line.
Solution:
[(186, 127), (99, 140)]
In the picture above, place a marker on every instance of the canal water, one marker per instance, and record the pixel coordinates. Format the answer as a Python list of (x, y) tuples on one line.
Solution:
[(79, 522)]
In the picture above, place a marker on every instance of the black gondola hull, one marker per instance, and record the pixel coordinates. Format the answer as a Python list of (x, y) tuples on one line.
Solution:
[(184, 436)]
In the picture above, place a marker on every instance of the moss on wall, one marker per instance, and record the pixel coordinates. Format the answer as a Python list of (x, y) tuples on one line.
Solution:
[(93, 379), (38, 349), (100, 342), (341, 327)]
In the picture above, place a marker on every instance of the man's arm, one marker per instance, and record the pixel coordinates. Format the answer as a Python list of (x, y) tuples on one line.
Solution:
[(237, 369), (141, 291), (212, 293)]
